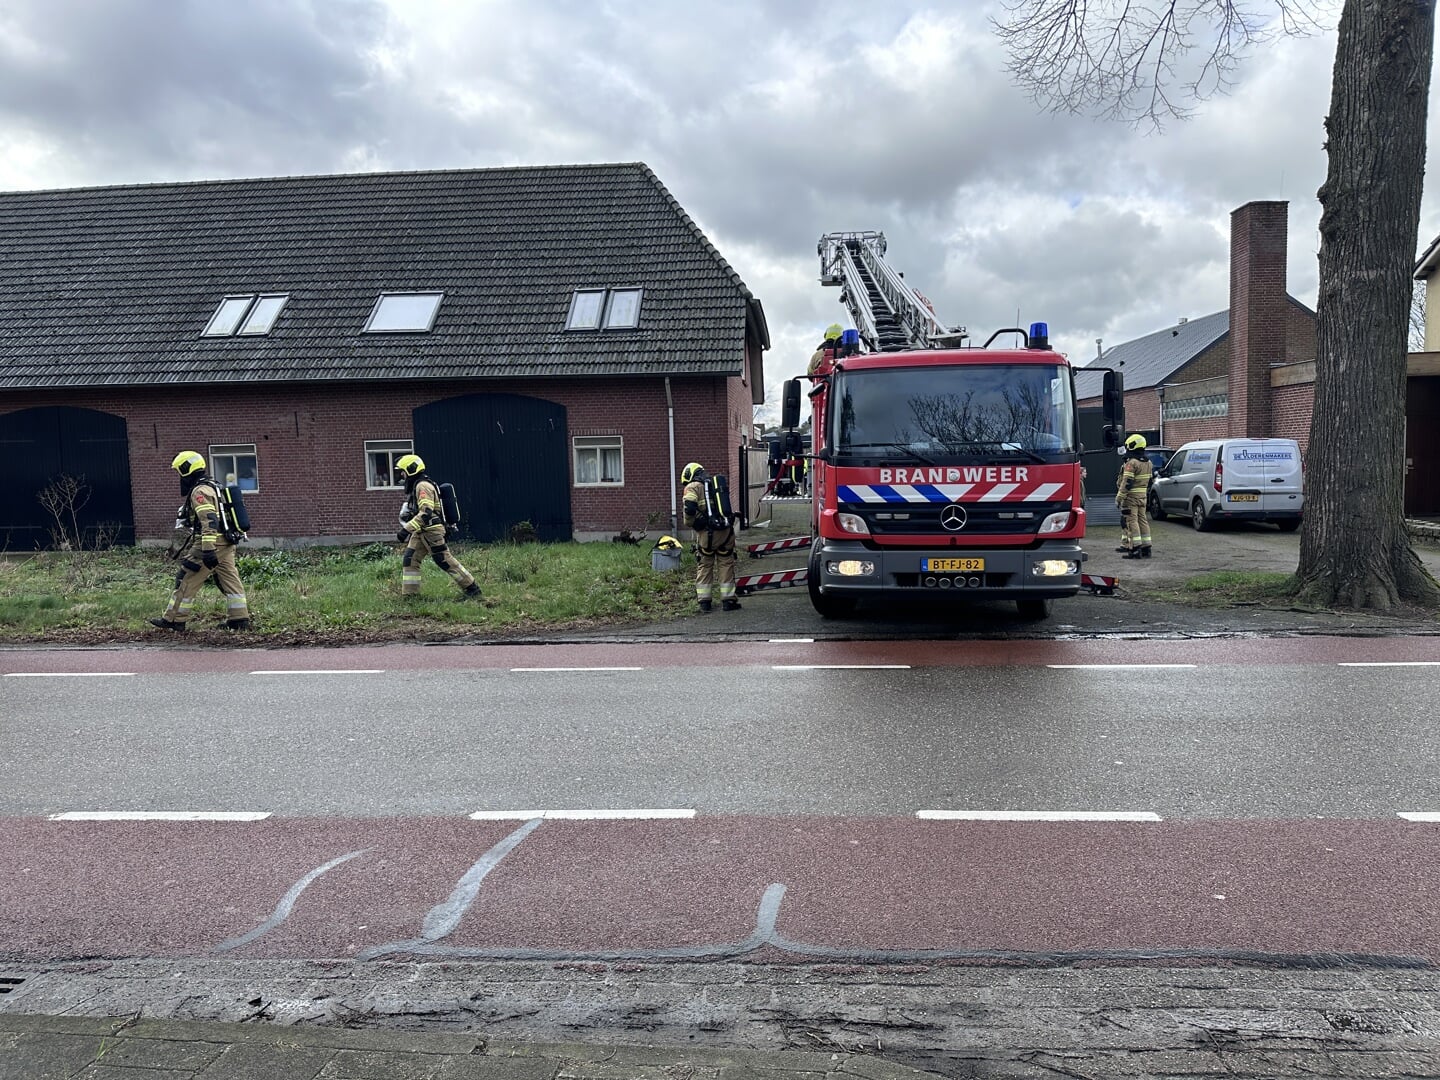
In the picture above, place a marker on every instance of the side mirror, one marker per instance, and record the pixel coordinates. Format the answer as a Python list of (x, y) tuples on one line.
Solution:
[(790, 404), (1112, 403)]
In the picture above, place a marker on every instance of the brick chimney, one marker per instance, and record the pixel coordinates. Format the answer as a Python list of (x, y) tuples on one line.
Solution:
[(1258, 311)]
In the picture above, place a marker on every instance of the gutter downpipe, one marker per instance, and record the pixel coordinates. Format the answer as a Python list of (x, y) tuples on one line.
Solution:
[(670, 482)]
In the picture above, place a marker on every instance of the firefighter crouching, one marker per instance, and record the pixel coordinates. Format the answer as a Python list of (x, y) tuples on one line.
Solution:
[(1130, 496), (715, 557), (209, 549), (422, 528)]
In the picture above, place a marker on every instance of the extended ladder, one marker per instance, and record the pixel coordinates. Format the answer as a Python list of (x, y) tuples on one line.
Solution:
[(889, 314)]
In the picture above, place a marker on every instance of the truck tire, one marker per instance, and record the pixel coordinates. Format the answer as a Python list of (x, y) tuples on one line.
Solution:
[(826, 606), (1033, 608)]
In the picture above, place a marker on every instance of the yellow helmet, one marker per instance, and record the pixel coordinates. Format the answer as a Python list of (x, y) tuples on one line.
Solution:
[(188, 463), (833, 331), (1135, 442), (691, 471), (668, 543), (410, 465)]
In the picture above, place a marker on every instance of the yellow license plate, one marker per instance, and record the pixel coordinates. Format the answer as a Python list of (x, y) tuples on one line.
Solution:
[(1243, 497), (951, 566)]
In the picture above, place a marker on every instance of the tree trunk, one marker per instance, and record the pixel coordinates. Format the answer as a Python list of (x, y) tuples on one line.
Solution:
[(1354, 549)]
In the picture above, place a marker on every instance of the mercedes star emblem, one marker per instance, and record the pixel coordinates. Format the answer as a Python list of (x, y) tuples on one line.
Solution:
[(953, 517)]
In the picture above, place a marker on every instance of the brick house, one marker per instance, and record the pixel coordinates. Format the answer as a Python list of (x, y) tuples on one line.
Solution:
[(1247, 371), (1422, 403), (555, 341)]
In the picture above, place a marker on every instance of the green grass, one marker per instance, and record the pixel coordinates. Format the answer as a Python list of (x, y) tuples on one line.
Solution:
[(1224, 588), (343, 594)]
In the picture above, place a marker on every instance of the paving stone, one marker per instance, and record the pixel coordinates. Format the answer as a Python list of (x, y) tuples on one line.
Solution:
[(257, 1061), (381, 1065), (484, 1067), (45, 1056), (107, 1072), (126, 1051)]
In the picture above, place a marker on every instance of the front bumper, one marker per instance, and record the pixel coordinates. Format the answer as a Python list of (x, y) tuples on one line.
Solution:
[(1007, 571)]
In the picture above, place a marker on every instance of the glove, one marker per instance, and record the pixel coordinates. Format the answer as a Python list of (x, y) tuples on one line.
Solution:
[(403, 535), (210, 559)]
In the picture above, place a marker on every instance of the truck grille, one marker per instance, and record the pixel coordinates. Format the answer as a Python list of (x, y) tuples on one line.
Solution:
[(980, 518)]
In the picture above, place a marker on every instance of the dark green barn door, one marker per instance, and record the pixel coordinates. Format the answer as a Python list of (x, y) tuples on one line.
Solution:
[(508, 457), (37, 446)]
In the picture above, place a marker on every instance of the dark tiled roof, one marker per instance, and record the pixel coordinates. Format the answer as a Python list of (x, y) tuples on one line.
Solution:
[(1152, 359), (113, 286)]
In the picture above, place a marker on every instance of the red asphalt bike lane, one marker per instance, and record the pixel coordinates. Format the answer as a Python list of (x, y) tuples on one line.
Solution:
[(765, 888), (1026, 653)]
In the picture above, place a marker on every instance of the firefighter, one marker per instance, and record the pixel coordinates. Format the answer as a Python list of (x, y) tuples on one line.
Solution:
[(1130, 496), (202, 513), (715, 557), (422, 529), (829, 343)]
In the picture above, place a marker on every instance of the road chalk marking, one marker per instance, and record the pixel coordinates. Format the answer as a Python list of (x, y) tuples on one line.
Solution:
[(1037, 815), (579, 815), (287, 902), (161, 815)]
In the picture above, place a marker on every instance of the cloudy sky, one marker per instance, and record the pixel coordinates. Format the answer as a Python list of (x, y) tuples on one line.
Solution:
[(772, 122)]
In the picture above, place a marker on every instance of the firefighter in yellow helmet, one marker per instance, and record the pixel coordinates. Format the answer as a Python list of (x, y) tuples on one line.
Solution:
[(715, 557), (422, 529), (209, 549), (829, 343), (1131, 494)]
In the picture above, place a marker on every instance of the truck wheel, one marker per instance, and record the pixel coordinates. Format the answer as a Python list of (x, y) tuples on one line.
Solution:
[(1198, 518), (825, 605), (1157, 512), (1033, 608)]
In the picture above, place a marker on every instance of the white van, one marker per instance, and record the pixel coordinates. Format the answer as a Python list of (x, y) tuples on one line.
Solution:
[(1216, 480)]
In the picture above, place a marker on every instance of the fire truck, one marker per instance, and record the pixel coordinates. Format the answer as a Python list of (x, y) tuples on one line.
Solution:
[(939, 467)]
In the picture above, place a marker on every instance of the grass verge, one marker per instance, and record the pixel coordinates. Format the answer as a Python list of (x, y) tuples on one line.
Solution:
[(341, 595), (1223, 588)]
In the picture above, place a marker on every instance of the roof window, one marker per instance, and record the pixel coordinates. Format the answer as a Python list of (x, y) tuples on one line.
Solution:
[(604, 309), (249, 314), (400, 313)]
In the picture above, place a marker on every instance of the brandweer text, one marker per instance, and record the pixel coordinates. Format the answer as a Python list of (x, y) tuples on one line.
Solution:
[(993, 474)]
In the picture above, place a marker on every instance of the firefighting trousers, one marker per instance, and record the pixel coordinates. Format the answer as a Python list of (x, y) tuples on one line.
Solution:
[(193, 574), (1134, 524), (430, 544), (715, 562)]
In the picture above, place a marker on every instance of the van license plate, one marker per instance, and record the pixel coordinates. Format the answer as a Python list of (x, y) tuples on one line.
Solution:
[(1243, 497), (952, 565)]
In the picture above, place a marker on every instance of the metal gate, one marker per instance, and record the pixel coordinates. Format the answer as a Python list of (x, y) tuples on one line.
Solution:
[(41, 445), (508, 457)]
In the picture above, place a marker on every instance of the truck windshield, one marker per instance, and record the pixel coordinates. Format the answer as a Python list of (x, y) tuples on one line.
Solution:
[(940, 414)]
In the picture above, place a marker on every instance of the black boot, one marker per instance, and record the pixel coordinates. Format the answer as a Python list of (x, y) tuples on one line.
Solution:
[(730, 605), (1123, 551), (237, 624), (166, 624), (472, 591), (704, 607), (1136, 554), (1145, 552)]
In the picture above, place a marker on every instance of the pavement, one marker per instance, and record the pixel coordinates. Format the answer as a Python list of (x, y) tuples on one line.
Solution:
[(1192, 1017)]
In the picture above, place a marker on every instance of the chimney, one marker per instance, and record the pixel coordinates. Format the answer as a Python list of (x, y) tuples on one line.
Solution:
[(1258, 311)]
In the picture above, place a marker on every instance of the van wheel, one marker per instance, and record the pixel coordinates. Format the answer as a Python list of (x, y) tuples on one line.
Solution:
[(1157, 512), (1198, 518), (1033, 608), (1289, 525)]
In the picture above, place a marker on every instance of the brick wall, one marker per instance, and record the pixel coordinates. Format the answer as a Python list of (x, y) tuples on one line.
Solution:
[(310, 445), (1259, 311)]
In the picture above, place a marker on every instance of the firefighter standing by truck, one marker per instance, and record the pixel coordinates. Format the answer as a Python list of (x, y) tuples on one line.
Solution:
[(1130, 496), (422, 528), (715, 557), (205, 513)]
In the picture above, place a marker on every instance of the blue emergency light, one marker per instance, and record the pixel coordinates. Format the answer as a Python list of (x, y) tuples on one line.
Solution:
[(1039, 335)]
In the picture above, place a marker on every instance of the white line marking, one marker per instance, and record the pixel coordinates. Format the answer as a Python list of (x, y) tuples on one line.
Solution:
[(578, 815), (1037, 815), (839, 667), (322, 671), (1388, 663), (1420, 815), (1115, 667), (792, 641), (61, 674), (577, 669), (161, 815)]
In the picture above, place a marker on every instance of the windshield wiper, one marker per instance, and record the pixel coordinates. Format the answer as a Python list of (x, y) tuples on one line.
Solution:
[(1008, 447), (902, 447)]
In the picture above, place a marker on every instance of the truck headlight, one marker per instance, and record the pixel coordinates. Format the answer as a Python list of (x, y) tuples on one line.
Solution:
[(1054, 568), (851, 568), (852, 523), (1055, 522)]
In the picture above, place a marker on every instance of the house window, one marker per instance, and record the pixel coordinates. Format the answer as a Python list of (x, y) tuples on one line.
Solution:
[(585, 308), (623, 310), (599, 460), (612, 309), (380, 458), (245, 315), (235, 465), (400, 313)]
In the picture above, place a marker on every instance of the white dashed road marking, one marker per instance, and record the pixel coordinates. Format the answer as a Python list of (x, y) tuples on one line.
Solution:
[(322, 671), (64, 674), (161, 815), (1037, 815), (579, 815)]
